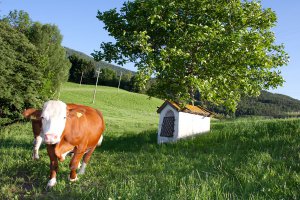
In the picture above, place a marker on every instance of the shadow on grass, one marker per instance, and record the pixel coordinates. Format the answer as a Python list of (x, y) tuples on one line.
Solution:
[(24, 178), (222, 141), (131, 142), (11, 143)]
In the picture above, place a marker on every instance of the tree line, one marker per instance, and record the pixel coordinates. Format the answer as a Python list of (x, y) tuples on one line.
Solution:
[(266, 104), (85, 71)]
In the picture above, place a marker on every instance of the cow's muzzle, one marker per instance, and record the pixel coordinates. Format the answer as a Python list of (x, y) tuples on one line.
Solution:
[(51, 138)]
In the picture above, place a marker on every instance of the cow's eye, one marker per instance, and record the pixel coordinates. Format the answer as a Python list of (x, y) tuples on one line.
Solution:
[(65, 117)]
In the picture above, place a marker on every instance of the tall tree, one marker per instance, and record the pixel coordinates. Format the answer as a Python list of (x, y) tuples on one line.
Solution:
[(19, 20), (33, 63), (47, 39), (223, 49), (20, 75)]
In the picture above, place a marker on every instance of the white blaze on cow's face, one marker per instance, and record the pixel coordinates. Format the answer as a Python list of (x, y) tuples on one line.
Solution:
[(53, 121)]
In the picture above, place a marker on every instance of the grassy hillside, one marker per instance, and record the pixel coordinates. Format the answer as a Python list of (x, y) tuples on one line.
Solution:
[(123, 111), (242, 159)]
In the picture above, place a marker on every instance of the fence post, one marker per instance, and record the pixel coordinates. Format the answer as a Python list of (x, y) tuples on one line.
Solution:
[(81, 78), (119, 82), (98, 72)]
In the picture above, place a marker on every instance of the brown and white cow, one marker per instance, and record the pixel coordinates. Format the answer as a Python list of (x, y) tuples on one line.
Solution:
[(67, 128)]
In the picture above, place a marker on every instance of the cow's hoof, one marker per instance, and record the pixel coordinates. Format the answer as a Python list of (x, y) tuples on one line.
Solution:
[(51, 183), (73, 179), (61, 159), (35, 157), (82, 168), (79, 165)]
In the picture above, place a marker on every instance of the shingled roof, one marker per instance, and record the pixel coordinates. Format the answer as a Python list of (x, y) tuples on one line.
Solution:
[(197, 110)]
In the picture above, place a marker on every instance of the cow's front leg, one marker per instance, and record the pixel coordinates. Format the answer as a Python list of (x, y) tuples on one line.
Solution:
[(86, 159), (36, 146), (53, 165), (62, 149), (36, 127), (78, 154)]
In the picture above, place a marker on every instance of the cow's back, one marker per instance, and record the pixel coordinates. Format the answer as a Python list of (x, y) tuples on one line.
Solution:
[(84, 124)]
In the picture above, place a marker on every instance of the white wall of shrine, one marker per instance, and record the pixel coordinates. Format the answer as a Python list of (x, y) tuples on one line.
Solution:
[(185, 125)]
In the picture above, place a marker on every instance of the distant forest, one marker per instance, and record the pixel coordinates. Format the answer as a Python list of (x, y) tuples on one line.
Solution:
[(266, 104), (269, 104), (84, 70)]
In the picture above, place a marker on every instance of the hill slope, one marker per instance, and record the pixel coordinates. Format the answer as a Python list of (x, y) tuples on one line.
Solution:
[(269, 104), (100, 64)]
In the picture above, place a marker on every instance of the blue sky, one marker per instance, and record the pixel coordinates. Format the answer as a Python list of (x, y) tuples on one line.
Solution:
[(82, 31)]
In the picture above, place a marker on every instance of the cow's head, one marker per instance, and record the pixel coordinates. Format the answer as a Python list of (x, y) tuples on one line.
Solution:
[(53, 118)]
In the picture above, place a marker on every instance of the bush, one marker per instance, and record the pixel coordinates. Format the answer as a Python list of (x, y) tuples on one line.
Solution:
[(31, 67), (20, 78)]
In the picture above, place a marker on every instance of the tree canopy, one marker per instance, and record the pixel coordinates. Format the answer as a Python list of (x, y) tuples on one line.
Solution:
[(33, 64), (222, 49), (19, 79), (47, 39)]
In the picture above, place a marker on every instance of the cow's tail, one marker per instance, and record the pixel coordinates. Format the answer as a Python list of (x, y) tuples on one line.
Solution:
[(100, 140), (103, 125)]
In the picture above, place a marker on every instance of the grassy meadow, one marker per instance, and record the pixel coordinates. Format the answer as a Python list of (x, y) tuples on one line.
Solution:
[(240, 159)]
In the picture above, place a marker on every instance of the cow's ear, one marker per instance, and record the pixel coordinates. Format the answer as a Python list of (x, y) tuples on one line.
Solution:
[(76, 112), (32, 113)]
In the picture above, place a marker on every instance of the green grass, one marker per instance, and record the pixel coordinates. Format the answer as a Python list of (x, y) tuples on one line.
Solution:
[(242, 159)]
